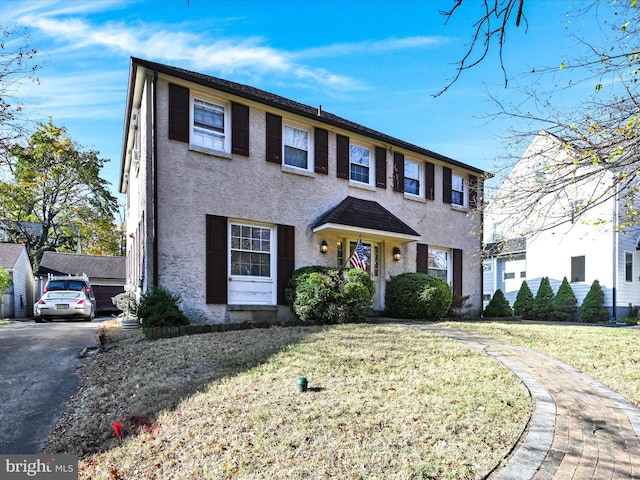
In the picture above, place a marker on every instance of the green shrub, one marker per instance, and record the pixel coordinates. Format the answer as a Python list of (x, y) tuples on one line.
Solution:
[(329, 295), (523, 306), (419, 296), (564, 303), (543, 303), (159, 308), (592, 309), (498, 306)]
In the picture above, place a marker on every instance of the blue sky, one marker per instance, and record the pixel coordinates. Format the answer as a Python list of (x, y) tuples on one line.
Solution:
[(377, 63)]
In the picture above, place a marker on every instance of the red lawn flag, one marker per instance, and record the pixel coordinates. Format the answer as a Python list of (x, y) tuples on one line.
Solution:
[(358, 258)]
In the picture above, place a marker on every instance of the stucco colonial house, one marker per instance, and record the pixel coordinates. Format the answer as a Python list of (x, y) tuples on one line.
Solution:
[(17, 301), (589, 245), (230, 189)]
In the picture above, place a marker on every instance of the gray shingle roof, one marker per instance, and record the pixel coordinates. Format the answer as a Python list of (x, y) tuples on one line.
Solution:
[(356, 212), (286, 104), (9, 254), (95, 266)]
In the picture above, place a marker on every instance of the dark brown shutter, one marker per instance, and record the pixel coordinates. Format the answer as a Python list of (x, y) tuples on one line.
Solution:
[(286, 260), (216, 259), (473, 192), (422, 258), (446, 184), (381, 167), (274, 138), (321, 154), (240, 129), (429, 180), (398, 172), (178, 113), (342, 156), (457, 272)]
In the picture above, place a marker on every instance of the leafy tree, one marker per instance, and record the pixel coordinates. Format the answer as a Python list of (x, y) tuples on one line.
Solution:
[(56, 197), (5, 281), (523, 306), (565, 301), (543, 302), (592, 309), (498, 306)]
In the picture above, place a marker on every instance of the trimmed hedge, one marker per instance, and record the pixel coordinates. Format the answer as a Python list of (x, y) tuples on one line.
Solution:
[(159, 308), (417, 296), (523, 306), (498, 306), (592, 309), (328, 295), (564, 303)]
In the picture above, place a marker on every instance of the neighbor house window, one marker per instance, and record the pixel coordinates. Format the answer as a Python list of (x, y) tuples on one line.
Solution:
[(509, 275), (457, 189), (250, 251), (209, 128), (438, 264), (359, 164), (296, 147), (412, 178), (628, 266), (487, 266), (577, 269)]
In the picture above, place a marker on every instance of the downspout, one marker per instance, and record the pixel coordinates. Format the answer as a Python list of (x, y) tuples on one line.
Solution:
[(154, 166)]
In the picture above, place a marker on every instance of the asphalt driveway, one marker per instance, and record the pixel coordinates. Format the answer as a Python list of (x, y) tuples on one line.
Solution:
[(37, 378)]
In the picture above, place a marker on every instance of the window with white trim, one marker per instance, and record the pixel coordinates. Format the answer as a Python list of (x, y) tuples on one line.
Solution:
[(296, 147), (359, 164), (209, 125), (628, 267), (250, 250), (438, 264), (412, 175), (457, 190)]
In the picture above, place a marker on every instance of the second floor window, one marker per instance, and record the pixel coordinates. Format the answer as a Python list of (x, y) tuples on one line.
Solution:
[(359, 164), (209, 126), (412, 177), (296, 147), (457, 190)]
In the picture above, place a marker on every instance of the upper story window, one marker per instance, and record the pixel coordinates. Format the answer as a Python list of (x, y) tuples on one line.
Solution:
[(359, 164), (296, 147), (210, 125), (457, 190), (412, 175)]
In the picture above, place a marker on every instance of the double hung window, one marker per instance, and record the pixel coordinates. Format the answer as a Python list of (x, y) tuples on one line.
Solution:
[(359, 164), (296, 147), (412, 175), (438, 264), (457, 190), (209, 127), (250, 251)]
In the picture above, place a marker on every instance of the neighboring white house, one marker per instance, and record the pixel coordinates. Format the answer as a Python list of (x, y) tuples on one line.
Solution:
[(17, 301), (231, 188), (586, 248)]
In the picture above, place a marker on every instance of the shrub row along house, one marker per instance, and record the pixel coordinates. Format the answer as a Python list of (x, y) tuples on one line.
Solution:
[(230, 189)]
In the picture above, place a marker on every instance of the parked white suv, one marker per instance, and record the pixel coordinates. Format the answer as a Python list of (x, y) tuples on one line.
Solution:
[(66, 297)]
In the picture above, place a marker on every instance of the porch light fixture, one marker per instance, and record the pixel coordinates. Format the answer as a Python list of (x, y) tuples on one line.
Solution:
[(397, 254), (324, 247)]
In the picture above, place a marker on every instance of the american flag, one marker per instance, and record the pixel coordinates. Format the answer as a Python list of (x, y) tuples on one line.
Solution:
[(358, 258)]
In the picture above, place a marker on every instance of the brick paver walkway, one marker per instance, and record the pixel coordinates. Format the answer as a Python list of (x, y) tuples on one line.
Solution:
[(580, 429)]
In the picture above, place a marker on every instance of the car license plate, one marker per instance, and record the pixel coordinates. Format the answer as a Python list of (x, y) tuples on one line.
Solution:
[(61, 306)]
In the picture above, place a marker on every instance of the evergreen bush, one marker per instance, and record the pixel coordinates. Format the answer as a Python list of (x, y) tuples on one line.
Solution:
[(543, 302), (498, 306), (564, 303), (592, 309), (330, 295), (159, 308), (523, 306), (418, 296)]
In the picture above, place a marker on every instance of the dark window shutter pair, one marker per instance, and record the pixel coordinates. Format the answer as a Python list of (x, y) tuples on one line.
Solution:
[(274, 138), (216, 259), (321, 153), (381, 167), (286, 260), (178, 113), (398, 172), (457, 272), (342, 156), (446, 184), (422, 258), (240, 129), (429, 180)]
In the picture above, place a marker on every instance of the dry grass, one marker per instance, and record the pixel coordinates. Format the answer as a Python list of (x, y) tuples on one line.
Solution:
[(384, 402), (610, 355)]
